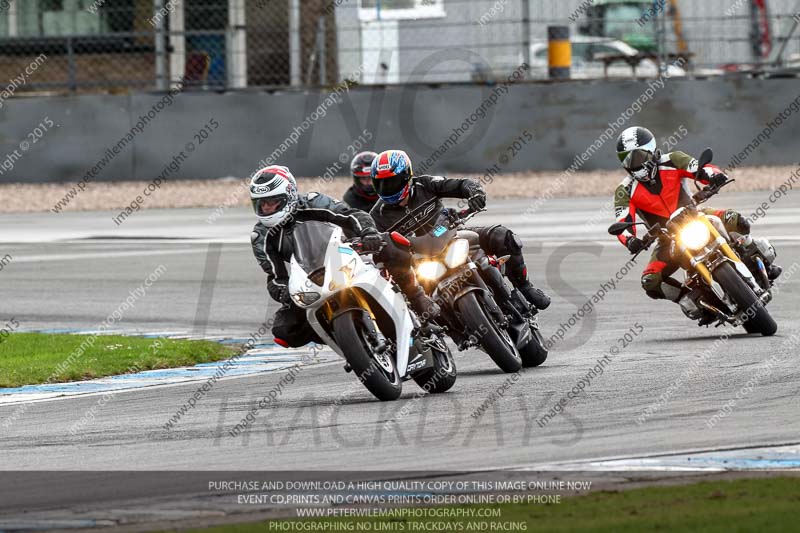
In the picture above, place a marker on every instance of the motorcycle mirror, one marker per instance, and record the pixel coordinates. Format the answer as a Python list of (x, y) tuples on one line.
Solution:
[(705, 158), (617, 228)]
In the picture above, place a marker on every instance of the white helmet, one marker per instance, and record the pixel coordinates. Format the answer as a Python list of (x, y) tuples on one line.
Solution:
[(636, 149), (273, 191)]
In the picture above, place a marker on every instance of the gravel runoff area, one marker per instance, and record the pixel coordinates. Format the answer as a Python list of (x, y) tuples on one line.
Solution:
[(26, 198)]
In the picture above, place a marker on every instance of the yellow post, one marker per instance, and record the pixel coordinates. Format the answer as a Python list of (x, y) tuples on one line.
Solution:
[(559, 54)]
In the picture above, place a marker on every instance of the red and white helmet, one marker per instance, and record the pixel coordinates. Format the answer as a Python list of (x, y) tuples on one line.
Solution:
[(273, 191)]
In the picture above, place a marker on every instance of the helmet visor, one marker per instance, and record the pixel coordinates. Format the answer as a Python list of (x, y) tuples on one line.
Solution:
[(270, 205), (365, 184), (388, 187), (635, 159)]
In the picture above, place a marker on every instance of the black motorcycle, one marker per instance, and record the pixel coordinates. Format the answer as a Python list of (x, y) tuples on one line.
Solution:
[(479, 307)]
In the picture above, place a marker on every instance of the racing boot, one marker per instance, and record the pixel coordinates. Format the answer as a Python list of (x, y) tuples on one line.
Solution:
[(518, 275), (500, 241), (535, 296), (426, 308)]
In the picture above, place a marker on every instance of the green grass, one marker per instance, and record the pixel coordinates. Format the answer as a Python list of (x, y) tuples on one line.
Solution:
[(743, 505), (32, 358)]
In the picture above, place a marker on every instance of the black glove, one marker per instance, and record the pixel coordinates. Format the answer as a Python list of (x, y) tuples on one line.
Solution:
[(718, 179), (476, 196), (371, 240), (283, 295), (635, 245), (477, 201)]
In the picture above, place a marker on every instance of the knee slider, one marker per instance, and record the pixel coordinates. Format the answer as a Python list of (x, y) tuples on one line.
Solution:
[(500, 240), (655, 295), (513, 242), (493, 239), (734, 221), (282, 331), (652, 282)]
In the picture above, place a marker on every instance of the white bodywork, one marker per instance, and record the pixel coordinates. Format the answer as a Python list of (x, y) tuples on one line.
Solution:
[(346, 270)]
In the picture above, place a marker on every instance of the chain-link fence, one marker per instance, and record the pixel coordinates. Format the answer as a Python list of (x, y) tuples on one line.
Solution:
[(117, 45)]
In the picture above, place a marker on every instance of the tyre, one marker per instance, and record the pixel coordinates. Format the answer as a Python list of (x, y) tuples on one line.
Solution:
[(533, 354), (750, 328), (741, 293), (494, 340), (442, 376), (379, 375)]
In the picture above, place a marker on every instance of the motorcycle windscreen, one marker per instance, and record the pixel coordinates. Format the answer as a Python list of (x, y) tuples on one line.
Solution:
[(310, 244), (433, 242), (431, 245)]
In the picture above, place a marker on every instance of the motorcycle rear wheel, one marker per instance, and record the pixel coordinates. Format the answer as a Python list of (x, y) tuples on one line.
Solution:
[(442, 376), (534, 353)]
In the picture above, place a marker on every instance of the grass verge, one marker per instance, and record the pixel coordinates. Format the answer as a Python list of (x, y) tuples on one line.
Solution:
[(33, 358), (770, 504)]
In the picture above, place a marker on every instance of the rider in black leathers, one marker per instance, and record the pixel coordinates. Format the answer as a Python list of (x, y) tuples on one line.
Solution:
[(361, 194), (279, 206), (401, 192)]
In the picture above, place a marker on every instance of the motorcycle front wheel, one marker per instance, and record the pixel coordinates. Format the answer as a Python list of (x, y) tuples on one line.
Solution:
[(492, 338), (378, 373), (741, 293)]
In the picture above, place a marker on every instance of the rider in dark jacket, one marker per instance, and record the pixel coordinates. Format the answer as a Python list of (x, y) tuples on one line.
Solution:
[(278, 205), (361, 195), (400, 193)]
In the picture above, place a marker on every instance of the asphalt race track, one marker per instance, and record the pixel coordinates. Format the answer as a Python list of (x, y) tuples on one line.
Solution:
[(71, 270)]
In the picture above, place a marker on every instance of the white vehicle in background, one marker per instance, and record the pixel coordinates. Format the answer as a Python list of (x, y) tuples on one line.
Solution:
[(588, 55), (363, 316)]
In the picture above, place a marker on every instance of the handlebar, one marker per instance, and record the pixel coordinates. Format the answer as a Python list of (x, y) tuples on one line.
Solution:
[(458, 218), (649, 238), (358, 246), (707, 192)]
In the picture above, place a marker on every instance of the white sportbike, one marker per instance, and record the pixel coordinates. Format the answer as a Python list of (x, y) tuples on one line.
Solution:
[(362, 315)]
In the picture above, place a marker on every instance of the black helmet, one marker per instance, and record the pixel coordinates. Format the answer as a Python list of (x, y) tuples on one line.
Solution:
[(636, 149), (360, 168)]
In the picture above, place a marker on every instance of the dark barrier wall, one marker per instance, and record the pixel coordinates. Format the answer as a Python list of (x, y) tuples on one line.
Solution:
[(448, 129)]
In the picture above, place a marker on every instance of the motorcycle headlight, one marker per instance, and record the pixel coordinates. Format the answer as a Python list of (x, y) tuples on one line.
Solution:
[(457, 253), (431, 270), (306, 298), (695, 235)]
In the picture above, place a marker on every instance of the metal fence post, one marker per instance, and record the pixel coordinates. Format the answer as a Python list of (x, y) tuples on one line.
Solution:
[(13, 19), (323, 52), (71, 67), (295, 74), (237, 44), (176, 54), (526, 34), (160, 48)]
